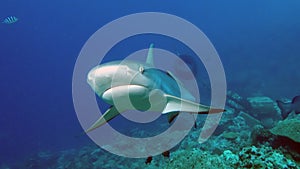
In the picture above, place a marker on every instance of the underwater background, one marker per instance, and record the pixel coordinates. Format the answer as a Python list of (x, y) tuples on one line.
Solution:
[(258, 43)]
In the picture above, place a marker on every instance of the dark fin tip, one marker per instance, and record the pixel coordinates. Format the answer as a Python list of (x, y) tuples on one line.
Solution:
[(206, 112), (212, 111), (148, 160), (172, 116), (171, 119), (166, 154)]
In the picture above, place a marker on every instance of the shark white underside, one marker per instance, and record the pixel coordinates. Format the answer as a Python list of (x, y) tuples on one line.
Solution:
[(131, 85)]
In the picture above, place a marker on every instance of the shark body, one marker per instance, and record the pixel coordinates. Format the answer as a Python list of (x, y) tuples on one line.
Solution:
[(128, 85)]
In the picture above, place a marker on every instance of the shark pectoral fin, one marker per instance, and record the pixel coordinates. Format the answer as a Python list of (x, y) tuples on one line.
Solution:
[(107, 116), (177, 104)]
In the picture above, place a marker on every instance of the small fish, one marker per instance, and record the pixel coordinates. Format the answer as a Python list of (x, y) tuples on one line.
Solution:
[(10, 20), (287, 108)]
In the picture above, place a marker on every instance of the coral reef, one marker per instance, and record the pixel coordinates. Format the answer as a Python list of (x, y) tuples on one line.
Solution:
[(249, 157), (259, 108), (261, 135), (264, 109), (195, 158), (264, 157), (249, 135), (289, 128)]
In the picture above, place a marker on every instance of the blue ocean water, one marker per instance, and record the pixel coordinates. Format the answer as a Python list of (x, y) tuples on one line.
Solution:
[(258, 43)]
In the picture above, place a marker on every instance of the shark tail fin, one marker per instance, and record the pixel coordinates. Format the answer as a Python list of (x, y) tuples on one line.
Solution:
[(285, 108)]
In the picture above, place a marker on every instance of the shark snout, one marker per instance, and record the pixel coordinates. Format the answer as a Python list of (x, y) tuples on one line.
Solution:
[(99, 80), (91, 77)]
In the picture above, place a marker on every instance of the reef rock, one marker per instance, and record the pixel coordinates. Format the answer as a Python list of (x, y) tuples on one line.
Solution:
[(263, 106), (250, 121), (260, 135), (230, 135), (237, 102), (289, 128)]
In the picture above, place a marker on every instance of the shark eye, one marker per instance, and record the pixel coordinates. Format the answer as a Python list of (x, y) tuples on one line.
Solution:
[(141, 69)]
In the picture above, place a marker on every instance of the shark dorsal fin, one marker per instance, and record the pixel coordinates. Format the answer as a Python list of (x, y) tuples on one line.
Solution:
[(149, 60)]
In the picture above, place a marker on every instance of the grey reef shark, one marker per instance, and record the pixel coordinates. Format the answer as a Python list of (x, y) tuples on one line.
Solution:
[(129, 85), (288, 107)]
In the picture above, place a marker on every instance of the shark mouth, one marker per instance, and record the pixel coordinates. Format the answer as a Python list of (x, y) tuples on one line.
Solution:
[(124, 92)]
